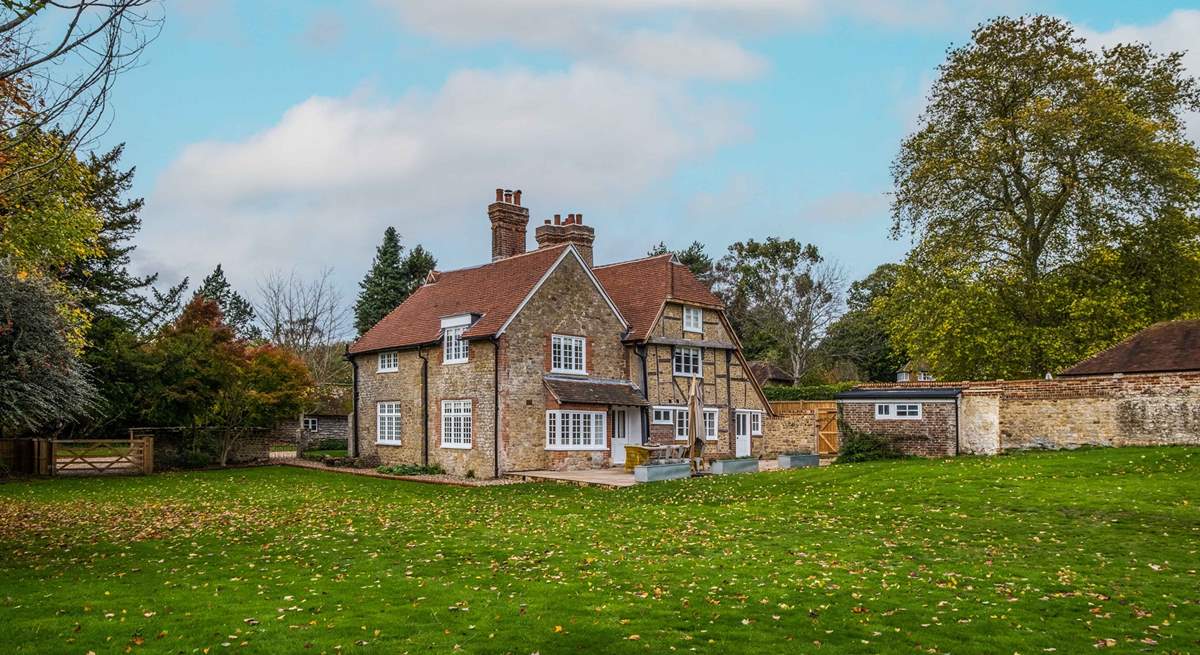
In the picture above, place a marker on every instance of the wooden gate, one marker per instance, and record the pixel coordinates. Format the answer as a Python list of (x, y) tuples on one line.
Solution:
[(101, 456), (827, 432)]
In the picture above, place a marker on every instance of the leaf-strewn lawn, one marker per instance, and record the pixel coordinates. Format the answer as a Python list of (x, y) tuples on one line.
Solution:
[(1015, 554)]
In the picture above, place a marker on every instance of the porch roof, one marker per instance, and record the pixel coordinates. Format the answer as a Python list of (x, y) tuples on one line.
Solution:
[(594, 391)]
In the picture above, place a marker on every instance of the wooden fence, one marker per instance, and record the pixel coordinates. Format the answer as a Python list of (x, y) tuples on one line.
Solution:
[(78, 456)]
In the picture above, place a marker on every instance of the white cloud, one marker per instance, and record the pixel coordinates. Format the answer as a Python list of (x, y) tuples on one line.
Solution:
[(319, 186), (325, 30), (1178, 32), (684, 39)]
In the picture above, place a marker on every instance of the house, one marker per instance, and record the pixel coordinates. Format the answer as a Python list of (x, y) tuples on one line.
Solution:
[(914, 371), (542, 360), (767, 373), (1143, 391)]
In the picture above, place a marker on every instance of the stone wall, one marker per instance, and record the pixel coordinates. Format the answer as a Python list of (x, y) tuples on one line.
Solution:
[(472, 380), (569, 304), (793, 432), (933, 435), (1068, 412)]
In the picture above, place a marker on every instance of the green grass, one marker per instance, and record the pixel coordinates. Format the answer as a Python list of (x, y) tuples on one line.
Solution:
[(1015, 554)]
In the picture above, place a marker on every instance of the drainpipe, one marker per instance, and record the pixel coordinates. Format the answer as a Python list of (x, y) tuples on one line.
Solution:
[(640, 351), (496, 406), (424, 406), (957, 420), (729, 403), (353, 405)]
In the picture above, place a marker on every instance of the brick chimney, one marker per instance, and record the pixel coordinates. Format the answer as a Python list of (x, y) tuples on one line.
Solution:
[(509, 219), (567, 230)]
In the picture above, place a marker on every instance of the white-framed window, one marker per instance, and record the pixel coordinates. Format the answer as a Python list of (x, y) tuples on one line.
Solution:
[(687, 361), (455, 349), (574, 430), (693, 319), (711, 415), (903, 411), (568, 354), (662, 415), (389, 362), (749, 422), (456, 424), (310, 424), (682, 415), (387, 423), (925, 376)]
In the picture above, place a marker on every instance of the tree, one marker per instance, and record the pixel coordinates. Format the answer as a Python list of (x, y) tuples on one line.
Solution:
[(58, 63), (309, 319), (238, 313), (42, 383), (392, 279), (271, 385), (860, 335), (1037, 161), (784, 289), (694, 257)]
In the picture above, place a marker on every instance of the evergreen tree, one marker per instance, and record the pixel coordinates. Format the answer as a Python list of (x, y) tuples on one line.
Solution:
[(392, 279), (237, 311), (694, 257)]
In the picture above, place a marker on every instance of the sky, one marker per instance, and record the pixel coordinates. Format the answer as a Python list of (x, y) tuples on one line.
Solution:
[(286, 135)]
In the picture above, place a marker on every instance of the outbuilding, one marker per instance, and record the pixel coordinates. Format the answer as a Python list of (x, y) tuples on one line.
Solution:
[(918, 420)]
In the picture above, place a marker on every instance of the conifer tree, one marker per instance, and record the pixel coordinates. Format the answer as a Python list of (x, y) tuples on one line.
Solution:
[(238, 312), (393, 277)]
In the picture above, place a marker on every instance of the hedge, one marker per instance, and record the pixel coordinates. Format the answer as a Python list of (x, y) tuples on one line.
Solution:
[(809, 392)]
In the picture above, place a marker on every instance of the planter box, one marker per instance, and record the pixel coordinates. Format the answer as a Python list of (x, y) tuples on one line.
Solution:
[(659, 472), (798, 461), (728, 466)]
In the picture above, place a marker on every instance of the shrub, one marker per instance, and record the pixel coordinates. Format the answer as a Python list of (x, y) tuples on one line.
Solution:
[(865, 447), (328, 443), (411, 469), (809, 392)]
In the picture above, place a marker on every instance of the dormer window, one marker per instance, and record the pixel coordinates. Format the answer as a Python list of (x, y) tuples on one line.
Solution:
[(568, 354), (693, 320), (455, 349)]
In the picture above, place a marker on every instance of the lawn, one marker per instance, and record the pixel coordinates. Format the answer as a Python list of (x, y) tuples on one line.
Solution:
[(1033, 553)]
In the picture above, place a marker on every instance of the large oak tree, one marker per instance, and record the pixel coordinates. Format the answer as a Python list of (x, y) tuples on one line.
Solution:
[(1040, 168)]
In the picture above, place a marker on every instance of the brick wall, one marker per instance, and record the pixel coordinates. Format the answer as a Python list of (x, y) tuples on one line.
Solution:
[(933, 435), (1120, 410)]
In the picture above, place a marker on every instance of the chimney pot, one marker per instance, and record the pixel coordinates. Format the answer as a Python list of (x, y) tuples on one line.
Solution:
[(579, 219), (508, 196), (517, 197), (547, 221), (499, 195), (558, 219)]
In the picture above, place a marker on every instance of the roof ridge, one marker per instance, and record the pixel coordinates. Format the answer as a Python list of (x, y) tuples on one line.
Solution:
[(634, 261), (493, 263)]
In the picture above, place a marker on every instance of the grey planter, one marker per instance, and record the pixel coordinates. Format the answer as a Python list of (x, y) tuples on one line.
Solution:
[(660, 472), (798, 461), (728, 466)]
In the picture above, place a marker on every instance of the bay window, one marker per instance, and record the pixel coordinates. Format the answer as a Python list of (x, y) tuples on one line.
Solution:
[(575, 430)]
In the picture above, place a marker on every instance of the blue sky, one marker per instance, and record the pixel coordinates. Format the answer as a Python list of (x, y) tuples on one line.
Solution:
[(280, 136)]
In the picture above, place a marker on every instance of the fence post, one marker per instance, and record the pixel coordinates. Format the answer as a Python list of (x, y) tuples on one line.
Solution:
[(43, 456), (147, 455)]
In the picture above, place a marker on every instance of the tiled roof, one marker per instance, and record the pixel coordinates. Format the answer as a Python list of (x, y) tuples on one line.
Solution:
[(593, 391), (766, 371), (494, 291), (1163, 347), (640, 287)]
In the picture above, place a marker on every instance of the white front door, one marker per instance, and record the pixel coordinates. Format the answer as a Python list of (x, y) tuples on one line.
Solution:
[(741, 446), (619, 439)]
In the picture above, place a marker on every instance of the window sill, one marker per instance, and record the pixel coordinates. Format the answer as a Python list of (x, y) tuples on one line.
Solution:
[(568, 371), (571, 448), (388, 370), (687, 375), (455, 361), (456, 446), (380, 442), (897, 418)]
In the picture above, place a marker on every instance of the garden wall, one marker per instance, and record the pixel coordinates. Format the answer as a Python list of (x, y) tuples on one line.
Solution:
[(1111, 410)]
